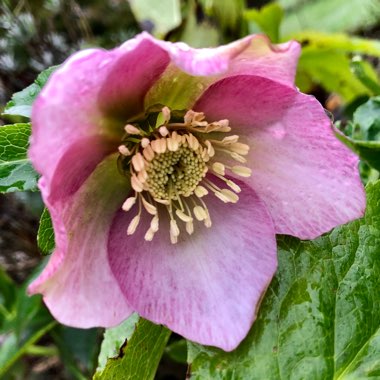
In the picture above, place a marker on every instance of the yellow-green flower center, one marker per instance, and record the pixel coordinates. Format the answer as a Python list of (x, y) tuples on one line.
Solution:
[(169, 164), (175, 173)]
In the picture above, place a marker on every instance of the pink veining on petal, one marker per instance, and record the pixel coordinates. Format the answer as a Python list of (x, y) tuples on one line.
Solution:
[(208, 285), (306, 177), (77, 284)]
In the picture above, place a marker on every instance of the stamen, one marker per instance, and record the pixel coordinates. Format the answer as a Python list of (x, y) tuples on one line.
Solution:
[(200, 191), (168, 166), (138, 162), (242, 171), (128, 204), (163, 131), (133, 225), (218, 168), (145, 142), (124, 150), (132, 130), (199, 213), (149, 207)]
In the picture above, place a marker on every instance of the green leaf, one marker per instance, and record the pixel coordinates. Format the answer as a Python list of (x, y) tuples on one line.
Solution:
[(320, 317), (198, 34), (367, 117), (365, 73), (163, 16), (45, 236), (338, 41), (140, 356), (21, 103), (329, 15), (10, 352), (16, 171), (369, 151), (268, 18), (114, 338), (330, 69)]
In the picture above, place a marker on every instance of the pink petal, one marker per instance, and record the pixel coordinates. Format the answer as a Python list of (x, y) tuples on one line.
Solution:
[(207, 286), (192, 71), (77, 284), (308, 180), (92, 94)]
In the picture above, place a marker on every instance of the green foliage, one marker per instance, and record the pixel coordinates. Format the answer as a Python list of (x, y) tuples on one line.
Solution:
[(320, 318), (16, 172), (139, 357), (367, 118), (329, 15), (158, 17), (23, 321), (45, 235), (114, 338), (268, 18), (326, 60), (21, 103)]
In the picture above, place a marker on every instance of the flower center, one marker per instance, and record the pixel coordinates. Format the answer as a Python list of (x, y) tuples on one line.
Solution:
[(168, 159), (177, 171)]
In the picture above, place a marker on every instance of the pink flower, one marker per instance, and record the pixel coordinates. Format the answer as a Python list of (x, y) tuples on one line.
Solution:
[(168, 171)]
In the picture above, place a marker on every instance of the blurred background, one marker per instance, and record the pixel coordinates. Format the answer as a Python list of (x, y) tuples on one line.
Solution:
[(339, 64)]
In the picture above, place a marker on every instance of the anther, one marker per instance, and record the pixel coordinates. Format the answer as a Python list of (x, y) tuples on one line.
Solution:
[(149, 207), (124, 150), (219, 168), (133, 225), (199, 213), (136, 184), (132, 130), (138, 162), (200, 191), (242, 171), (128, 204), (144, 142), (163, 131)]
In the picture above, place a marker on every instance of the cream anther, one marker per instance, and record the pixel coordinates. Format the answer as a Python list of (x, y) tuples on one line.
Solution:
[(138, 162), (242, 171), (133, 225), (124, 150), (219, 168), (163, 131), (129, 202), (132, 130), (169, 165), (145, 142)]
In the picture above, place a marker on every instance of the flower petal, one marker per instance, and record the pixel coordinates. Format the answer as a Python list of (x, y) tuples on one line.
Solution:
[(92, 94), (77, 284), (192, 71), (207, 286), (306, 177)]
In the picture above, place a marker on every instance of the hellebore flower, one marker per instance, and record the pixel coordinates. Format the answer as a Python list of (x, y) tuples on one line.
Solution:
[(168, 171)]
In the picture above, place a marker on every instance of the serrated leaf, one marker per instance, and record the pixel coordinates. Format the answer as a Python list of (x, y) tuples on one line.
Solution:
[(16, 171), (140, 356), (320, 317), (21, 103), (45, 236)]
